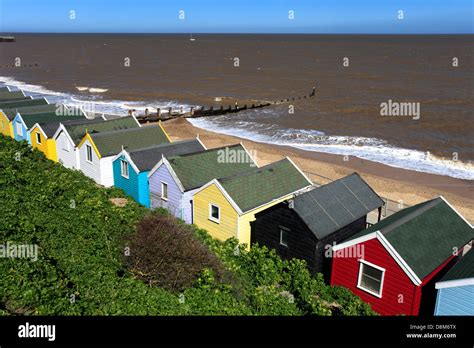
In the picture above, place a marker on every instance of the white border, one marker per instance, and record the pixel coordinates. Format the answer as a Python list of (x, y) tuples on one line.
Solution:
[(361, 261), (122, 161), (163, 198), (92, 149), (210, 217)]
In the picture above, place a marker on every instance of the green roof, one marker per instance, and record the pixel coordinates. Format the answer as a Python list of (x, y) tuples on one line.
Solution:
[(110, 143), (77, 131), (262, 185), (20, 103), (195, 170), (48, 117), (463, 269), (6, 95), (424, 235), (26, 110)]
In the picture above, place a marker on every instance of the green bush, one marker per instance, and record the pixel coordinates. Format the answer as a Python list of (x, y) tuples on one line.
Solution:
[(168, 254)]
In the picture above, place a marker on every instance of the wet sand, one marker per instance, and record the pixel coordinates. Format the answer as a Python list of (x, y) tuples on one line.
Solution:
[(396, 184)]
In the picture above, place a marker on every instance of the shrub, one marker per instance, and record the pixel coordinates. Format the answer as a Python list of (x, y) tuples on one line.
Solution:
[(169, 255)]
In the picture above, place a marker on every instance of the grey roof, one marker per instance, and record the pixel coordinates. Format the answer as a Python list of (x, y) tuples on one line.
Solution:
[(146, 159), (330, 207)]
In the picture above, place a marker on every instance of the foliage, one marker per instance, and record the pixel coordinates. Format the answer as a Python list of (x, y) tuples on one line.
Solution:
[(169, 255)]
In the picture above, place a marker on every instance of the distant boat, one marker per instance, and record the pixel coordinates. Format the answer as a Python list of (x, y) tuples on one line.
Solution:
[(7, 39), (192, 38)]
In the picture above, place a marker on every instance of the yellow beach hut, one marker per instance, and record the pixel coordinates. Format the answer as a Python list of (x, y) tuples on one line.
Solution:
[(225, 207), (44, 126)]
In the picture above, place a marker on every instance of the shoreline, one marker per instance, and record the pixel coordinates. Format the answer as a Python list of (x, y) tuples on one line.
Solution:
[(390, 182)]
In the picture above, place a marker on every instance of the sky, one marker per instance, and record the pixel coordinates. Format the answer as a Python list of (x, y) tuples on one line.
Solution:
[(237, 16)]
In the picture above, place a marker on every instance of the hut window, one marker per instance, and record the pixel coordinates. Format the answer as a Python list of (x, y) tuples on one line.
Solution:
[(284, 233), (370, 278), (38, 138), (164, 191), (19, 129), (124, 168), (214, 213), (89, 153), (65, 145), (3, 125)]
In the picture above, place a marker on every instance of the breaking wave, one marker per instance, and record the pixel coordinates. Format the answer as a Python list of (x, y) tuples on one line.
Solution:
[(376, 150)]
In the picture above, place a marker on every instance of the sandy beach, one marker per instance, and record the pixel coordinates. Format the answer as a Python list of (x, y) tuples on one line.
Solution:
[(410, 187)]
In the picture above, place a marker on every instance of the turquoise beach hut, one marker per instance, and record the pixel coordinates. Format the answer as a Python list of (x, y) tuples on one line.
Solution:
[(131, 168)]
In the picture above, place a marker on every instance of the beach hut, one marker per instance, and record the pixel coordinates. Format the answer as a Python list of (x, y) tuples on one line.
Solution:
[(9, 109), (6, 95), (174, 180), (226, 206), (456, 289), (306, 226), (24, 122), (131, 168), (394, 264), (46, 125), (70, 133), (97, 150)]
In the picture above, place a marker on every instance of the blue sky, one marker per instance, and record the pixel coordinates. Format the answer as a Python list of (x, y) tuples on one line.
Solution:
[(238, 16)]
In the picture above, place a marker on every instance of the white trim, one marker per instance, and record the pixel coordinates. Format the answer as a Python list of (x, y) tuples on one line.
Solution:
[(62, 128), (287, 230), (170, 169), (85, 114), (202, 144), (38, 138), (87, 153), (212, 218), (359, 277), (163, 184), (155, 168), (58, 131), (457, 212), (249, 154), (21, 124), (301, 172), (139, 125), (122, 161), (125, 154), (223, 191), (411, 274), (385, 243), (454, 283), (39, 127), (355, 241)]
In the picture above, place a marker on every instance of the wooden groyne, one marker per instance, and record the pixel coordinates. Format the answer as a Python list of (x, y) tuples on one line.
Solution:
[(194, 112)]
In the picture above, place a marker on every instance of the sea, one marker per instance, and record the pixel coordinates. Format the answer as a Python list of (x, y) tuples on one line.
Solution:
[(356, 77)]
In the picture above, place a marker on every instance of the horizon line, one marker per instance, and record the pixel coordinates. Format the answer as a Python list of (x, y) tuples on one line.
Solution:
[(222, 33)]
